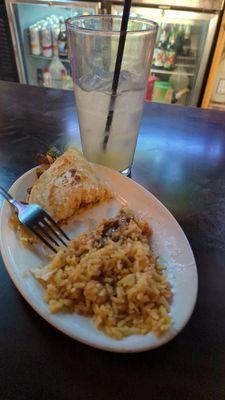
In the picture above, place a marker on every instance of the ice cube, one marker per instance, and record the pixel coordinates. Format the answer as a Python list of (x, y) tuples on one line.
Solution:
[(102, 82), (91, 82)]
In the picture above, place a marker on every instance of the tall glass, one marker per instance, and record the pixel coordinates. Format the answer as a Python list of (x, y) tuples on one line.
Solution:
[(93, 45)]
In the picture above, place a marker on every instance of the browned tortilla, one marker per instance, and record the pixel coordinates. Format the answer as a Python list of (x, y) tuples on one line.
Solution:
[(69, 184)]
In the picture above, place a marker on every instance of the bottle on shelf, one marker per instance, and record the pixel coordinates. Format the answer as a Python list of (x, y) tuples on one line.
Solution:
[(55, 34), (150, 87), (67, 81), (160, 50), (63, 78), (179, 95), (62, 40), (46, 40), (181, 85), (171, 49), (40, 78), (180, 40), (35, 42), (47, 78), (187, 41), (56, 67), (55, 19), (50, 21)]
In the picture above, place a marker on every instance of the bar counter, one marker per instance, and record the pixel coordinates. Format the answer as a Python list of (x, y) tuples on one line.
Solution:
[(180, 158)]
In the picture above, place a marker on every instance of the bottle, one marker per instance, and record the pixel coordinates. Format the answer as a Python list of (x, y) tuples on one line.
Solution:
[(160, 51), (150, 87), (55, 19), (55, 34), (55, 69), (180, 82), (63, 78), (187, 41), (178, 95), (67, 81), (46, 41), (40, 77), (35, 42), (47, 78), (180, 40), (171, 50), (62, 40), (155, 54)]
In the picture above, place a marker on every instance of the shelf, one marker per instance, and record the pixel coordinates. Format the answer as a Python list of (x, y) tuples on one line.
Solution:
[(167, 72), (153, 70), (49, 58), (187, 62), (190, 58), (185, 65)]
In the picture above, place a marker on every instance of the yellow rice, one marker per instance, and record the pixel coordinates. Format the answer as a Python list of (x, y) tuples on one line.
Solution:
[(113, 276)]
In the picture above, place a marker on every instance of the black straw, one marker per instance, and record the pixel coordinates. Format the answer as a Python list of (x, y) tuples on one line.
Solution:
[(116, 76)]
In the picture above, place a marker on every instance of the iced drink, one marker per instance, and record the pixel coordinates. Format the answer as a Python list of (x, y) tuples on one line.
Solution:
[(93, 44), (93, 101)]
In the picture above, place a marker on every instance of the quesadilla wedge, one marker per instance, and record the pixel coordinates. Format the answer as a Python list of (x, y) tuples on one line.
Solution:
[(69, 184)]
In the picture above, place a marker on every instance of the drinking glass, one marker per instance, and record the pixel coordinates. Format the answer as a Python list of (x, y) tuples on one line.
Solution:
[(93, 45)]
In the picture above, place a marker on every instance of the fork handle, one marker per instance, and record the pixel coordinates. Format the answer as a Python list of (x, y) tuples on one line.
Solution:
[(8, 197)]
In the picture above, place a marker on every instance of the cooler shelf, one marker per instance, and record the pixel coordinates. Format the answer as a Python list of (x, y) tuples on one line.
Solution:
[(49, 58), (167, 72), (153, 70), (187, 62)]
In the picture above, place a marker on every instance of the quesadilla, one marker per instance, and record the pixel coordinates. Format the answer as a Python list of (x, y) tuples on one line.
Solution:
[(69, 184)]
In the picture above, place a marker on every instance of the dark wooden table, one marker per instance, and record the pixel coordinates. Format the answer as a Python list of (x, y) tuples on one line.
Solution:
[(180, 158)]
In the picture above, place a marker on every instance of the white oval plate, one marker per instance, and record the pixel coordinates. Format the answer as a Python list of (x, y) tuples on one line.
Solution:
[(168, 241)]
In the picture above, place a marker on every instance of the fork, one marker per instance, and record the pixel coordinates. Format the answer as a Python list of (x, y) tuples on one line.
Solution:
[(38, 222)]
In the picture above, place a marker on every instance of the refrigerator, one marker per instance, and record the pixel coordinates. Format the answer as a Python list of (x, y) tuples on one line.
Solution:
[(180, 82), (32, 24)]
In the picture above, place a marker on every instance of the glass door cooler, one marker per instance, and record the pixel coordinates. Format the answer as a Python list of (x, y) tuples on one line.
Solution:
[(181, 57), (39, 39), (182, 51)]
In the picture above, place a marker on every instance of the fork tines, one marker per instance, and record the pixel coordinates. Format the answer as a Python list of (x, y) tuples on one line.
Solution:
[(38, 221), (49, 232)]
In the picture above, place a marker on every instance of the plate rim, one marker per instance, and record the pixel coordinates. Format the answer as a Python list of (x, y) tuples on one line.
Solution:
[(23, 293)]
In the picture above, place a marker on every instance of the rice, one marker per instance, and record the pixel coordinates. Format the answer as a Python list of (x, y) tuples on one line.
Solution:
[(111, 275)]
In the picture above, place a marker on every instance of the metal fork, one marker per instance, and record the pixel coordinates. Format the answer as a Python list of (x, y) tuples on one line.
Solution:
[(38, 221)]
